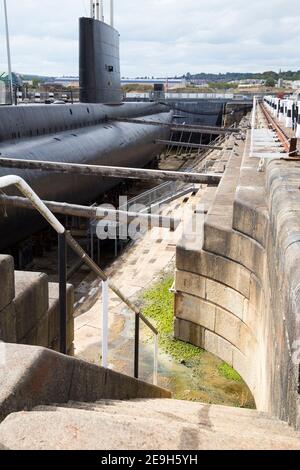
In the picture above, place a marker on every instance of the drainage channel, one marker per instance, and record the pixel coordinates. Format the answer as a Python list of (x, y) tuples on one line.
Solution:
[(142, 266), (134, 267)]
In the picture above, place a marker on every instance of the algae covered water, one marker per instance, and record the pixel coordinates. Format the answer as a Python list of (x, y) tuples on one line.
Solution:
[(189, 372)]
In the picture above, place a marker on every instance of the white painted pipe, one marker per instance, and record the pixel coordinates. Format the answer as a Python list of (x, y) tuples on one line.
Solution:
[(97, 10), (92, 8), (155, 366), (281, 113), (253, 122), (277, 107), (274, 109), (112, 20), (105, 326), (289, 115), (298, 123), (101, 10), (8, 54), (25, 189)]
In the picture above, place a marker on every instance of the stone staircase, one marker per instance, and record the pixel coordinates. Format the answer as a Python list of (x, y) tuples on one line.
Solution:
[(53, 402), (144, 424)]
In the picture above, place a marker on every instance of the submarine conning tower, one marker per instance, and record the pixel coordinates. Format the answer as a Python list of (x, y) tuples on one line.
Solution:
[(99, 60), (90, 132)]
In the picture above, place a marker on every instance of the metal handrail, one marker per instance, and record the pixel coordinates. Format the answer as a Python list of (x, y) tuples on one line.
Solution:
[(63, 238), (138, 315)]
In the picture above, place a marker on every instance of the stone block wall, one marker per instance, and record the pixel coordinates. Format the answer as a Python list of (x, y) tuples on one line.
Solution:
[(29, 308), (238, 291), (34, 376)]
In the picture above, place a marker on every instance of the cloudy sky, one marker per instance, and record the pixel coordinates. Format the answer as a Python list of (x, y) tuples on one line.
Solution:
[(159, 37)]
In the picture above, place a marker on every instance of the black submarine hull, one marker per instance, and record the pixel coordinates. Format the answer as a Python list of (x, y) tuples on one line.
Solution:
[(84, 134)]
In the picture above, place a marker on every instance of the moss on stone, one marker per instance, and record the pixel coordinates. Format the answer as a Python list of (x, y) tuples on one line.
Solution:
[(158, 306), (229, 373)]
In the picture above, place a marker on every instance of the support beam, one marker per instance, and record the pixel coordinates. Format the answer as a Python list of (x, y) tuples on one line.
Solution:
[(62, 268), (111, 171), (188, 145), (213, 130), (105, 323), (96, 213), (204, 130)]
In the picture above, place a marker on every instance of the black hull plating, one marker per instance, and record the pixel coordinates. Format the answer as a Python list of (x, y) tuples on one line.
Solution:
[(113, 143)]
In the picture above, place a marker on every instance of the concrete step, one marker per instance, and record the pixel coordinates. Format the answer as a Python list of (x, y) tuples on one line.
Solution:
[(31, 301), (7, 294), (144, 424), (7, 276)]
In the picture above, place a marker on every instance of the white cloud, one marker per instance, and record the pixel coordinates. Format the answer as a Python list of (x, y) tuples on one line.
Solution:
[(159, 36)]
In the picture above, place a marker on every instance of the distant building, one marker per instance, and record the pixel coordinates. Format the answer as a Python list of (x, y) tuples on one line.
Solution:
[(152, 81), (199, 83), (280, 83), (66, 82), (73, 82), (248, 83), (28, 82)]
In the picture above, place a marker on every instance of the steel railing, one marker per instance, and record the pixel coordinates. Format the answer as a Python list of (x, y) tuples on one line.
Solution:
[(65, 238)]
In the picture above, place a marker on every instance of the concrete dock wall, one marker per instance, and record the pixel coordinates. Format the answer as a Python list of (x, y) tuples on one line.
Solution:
[(29, 308), (238, 291)]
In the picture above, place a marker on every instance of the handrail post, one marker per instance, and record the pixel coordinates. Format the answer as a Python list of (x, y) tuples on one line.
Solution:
[(137, 345), (155, 368), (62, 267), (105, 304), (65, 238), (253, 122)]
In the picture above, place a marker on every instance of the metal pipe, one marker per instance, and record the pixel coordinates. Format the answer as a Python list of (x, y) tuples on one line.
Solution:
[(137, 346), (25, 189), (101, 10), (97, 10), (112, 20), (105, 306), (62, 268), (92, 8), (112, 172), (99, 213), (253, 122), (8, 54), (188, 145), (155, 366)]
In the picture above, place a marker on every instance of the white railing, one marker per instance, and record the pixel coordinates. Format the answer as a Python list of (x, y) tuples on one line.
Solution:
[(253, 125), (180, 96)]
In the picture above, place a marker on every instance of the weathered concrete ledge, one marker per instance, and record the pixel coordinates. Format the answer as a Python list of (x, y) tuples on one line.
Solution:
[(32, 376), (238, 292), (29, 308)]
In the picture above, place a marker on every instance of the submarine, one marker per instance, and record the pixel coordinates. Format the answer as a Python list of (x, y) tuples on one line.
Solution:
[(89, 132)]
